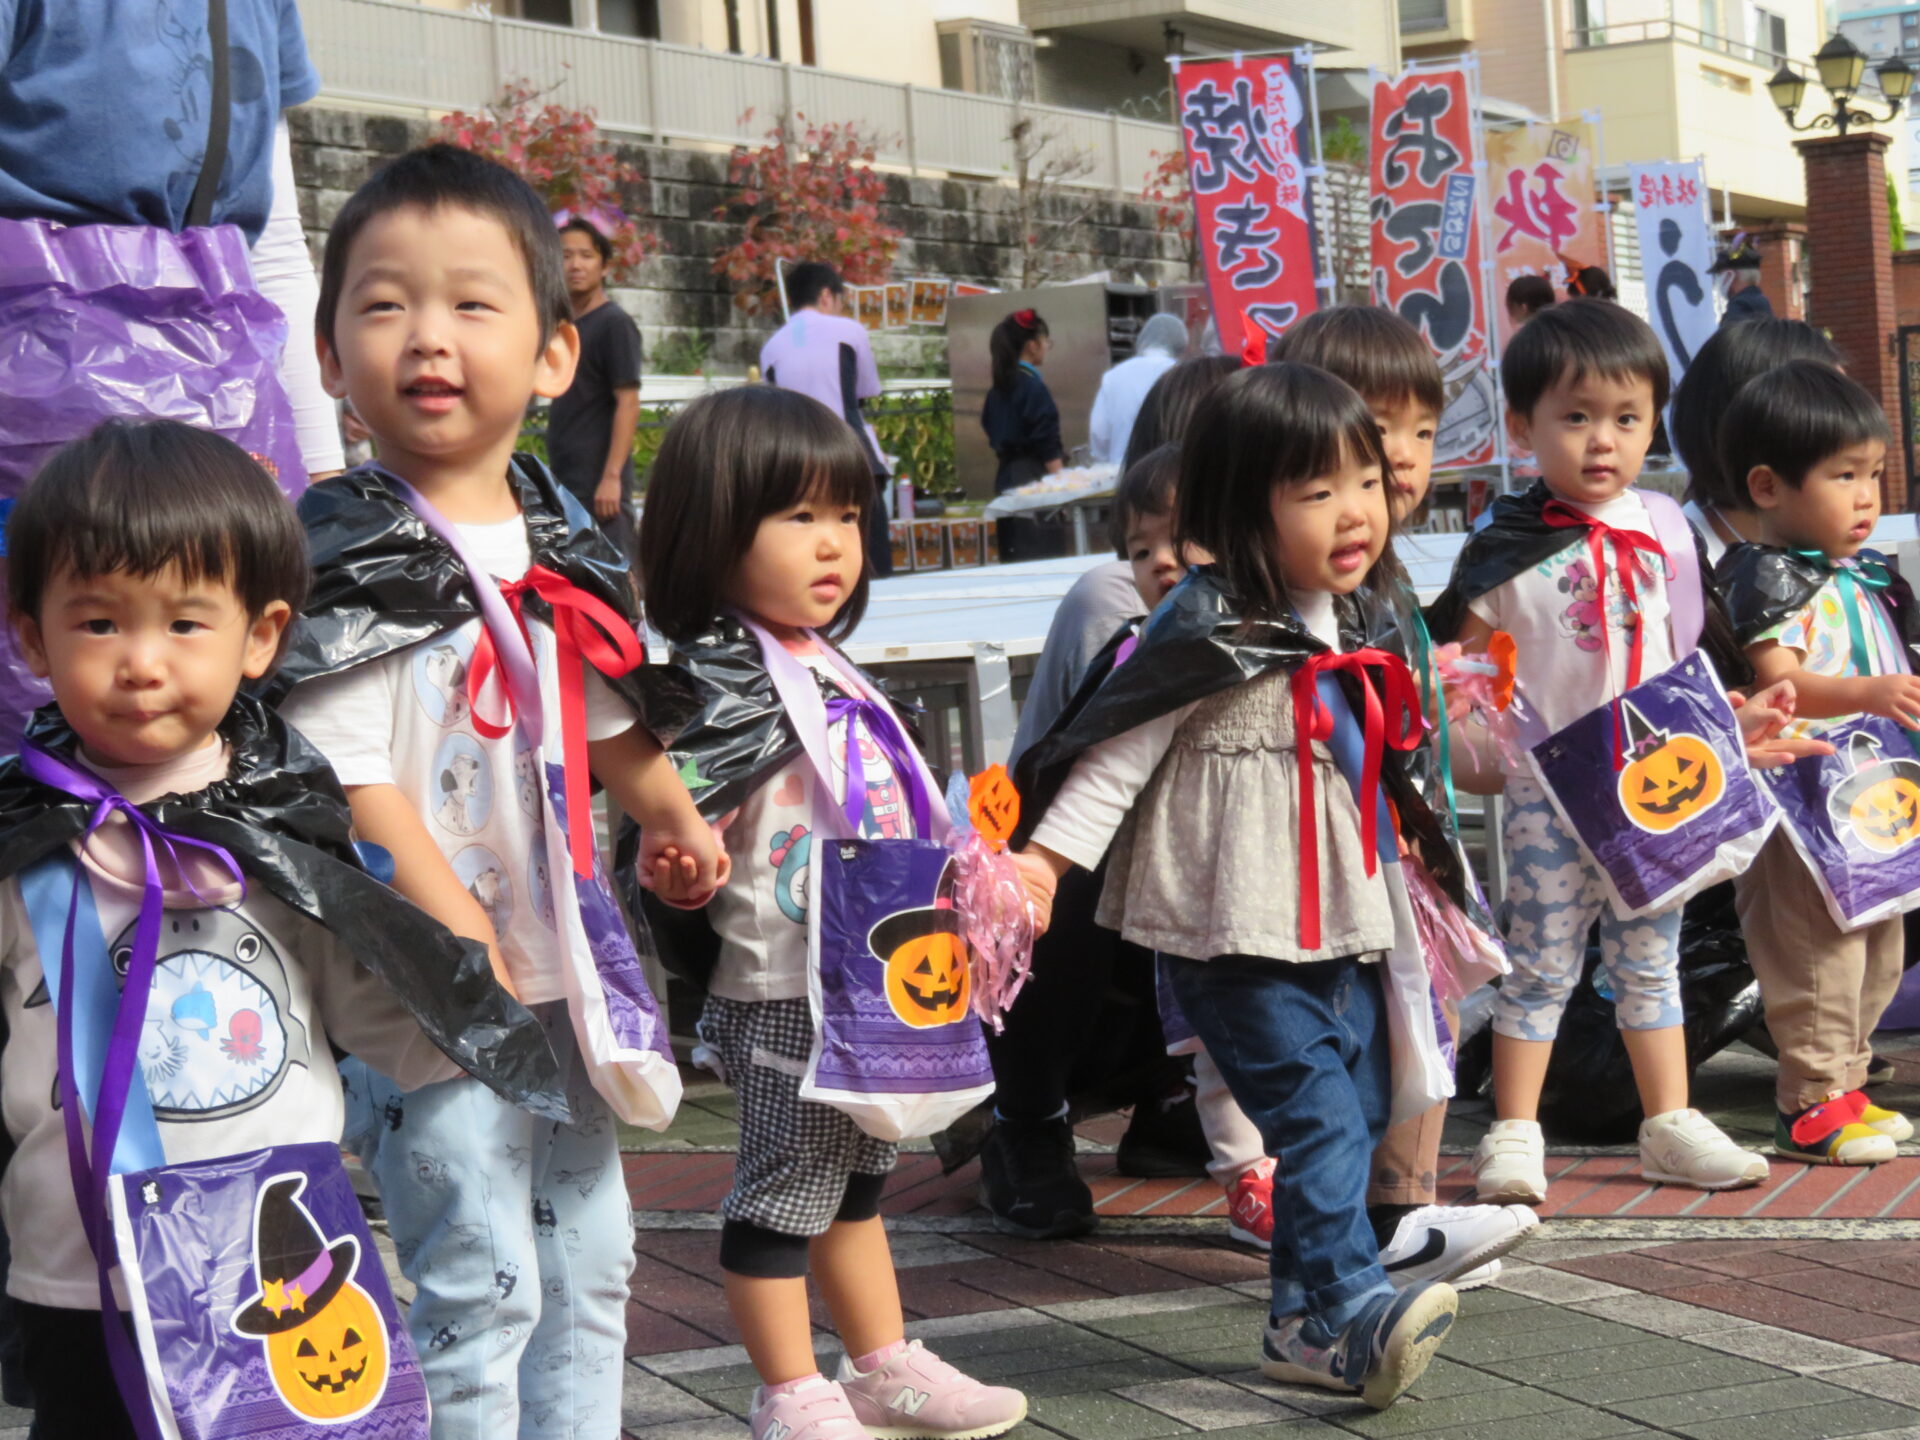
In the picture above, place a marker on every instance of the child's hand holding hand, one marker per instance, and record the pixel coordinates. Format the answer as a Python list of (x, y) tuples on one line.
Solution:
[(684, 864), (1896, 697), (1040, 874), (1762, 717)]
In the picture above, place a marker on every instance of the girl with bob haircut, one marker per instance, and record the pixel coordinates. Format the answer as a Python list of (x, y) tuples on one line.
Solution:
[(751, 547), (1255, 859)]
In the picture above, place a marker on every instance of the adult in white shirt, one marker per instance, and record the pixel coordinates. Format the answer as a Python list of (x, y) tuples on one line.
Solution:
[(1161, 343)]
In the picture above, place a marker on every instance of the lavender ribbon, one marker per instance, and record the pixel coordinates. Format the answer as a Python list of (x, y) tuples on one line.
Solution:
[(91, 1173), (884, 730)]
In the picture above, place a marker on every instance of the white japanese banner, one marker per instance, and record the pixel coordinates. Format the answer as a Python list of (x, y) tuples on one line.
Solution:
[(1676, 248)]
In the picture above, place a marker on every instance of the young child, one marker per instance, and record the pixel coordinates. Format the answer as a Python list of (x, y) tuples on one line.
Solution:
[(442, 313), (154, 568), (1718, 503), (754, 515), (1585, 382), (1392, 368), (1813, 607), (1028, 1179), (1249, 856)]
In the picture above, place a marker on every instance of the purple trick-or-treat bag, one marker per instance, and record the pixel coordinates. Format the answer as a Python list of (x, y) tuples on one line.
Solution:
[(898, 1046), (1678, 810), (98, 321), (1854, 816), (260, 1304)]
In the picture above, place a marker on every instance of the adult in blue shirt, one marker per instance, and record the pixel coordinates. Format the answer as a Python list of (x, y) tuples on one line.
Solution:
[(1020, 418)]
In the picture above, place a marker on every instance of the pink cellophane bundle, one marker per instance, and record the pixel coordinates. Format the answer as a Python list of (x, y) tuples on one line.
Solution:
[(1448, 941), (1477, 679), (993, 908)]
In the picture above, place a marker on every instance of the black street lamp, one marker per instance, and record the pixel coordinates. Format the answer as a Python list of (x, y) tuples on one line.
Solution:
[(1841, 66)]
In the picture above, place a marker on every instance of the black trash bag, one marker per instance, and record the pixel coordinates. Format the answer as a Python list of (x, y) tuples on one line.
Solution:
[(1589, 1097)]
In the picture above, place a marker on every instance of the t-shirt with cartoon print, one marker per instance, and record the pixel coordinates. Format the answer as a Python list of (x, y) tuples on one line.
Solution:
[(404, 720), (248, 1000), (1565, 666), (761, 913), (1820, 632)]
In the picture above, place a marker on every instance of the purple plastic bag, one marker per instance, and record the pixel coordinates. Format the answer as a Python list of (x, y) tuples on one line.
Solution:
[(129, 320), (897, 1045), (1854, 816), (257, 1294), (1681, 812)]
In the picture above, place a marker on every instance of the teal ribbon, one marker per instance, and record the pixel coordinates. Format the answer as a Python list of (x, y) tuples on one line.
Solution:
[(1432, 699), (1852, 578)]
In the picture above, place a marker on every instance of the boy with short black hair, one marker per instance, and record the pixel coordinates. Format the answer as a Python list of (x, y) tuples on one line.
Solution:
[(154, 569), (1585, 384), (1813, 606), (443, 312)]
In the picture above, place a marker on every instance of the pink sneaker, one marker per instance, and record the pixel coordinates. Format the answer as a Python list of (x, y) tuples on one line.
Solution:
[(1250, 1207), (815, 1409), (915, 1395)]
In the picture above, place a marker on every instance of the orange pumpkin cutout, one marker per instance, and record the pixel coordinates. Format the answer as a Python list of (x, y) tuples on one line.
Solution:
[(1669, 778), (928, 965), (325, 1339), (1879, 803)]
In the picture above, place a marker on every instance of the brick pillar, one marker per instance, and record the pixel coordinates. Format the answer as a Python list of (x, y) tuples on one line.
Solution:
[(1850, 269), (1782, 246)]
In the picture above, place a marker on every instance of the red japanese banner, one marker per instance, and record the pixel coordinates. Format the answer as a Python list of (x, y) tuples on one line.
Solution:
[(1240, 122), (1544, 214), (1426, 245)]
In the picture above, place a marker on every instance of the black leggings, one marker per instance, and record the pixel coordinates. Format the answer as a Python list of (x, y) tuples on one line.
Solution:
[(65, 1356), (1086, 1014)]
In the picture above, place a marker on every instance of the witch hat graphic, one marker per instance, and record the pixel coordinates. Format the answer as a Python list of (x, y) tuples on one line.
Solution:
[(297, 1269), (1642, 737)]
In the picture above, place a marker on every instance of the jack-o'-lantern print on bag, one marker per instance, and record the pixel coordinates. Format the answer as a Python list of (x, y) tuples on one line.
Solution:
[(1854, 816), (1678, 809)]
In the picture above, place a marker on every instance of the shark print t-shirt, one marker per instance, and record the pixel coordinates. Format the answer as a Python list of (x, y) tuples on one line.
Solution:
[(761, 913), (248, 1000)]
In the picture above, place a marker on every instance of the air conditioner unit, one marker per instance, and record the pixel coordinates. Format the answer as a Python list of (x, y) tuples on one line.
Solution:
[(987, 58)]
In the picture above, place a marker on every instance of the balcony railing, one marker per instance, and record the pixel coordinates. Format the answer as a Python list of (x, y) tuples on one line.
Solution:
[(1641, 31), (417, 57)]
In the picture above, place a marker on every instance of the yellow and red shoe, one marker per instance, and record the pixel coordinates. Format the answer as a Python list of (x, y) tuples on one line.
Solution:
[(1832, 1133), (1890, 1123)]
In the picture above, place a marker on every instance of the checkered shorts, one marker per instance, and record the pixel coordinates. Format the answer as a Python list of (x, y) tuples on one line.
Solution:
[(795, 1155)]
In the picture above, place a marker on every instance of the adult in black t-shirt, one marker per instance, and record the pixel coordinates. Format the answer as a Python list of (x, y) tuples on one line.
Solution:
[(590, 428)]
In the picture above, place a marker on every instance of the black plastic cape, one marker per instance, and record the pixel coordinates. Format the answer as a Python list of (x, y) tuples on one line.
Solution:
[(1194, 645), (384, 582), (714, 706), (1764, 585), (1518, 538), (282, 815)]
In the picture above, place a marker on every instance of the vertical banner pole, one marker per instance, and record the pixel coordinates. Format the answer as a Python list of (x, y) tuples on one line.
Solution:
[(1488, 299), (1604, 200), (1320, 202)]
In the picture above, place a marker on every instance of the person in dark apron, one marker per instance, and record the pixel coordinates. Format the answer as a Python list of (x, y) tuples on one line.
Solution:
[(1021, 421)]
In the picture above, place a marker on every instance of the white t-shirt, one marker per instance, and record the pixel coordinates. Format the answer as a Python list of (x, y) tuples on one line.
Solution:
[(236, 1051), (1563, 669), (403, 720), (760, 915)]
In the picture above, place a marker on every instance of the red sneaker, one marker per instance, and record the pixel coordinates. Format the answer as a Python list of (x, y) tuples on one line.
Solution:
[(1250, 1207)]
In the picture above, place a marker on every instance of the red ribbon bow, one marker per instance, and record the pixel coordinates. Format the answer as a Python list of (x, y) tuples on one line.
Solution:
[(1627, 545), (586, 631), (1024, 319), (1395, 697)]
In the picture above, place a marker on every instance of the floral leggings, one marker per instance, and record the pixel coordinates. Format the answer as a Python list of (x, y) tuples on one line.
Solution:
[(1554, 894)]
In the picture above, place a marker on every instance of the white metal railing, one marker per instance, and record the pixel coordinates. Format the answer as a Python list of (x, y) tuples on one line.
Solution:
[(1636, 32), (392, 52)]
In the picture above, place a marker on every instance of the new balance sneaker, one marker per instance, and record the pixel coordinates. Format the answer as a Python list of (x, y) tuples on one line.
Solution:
[(1890, 1123), (1377, 1357), (1684, 1147), (915, 1395), (1832, 1133), (1250, 1207), (815, 1409), (1452, 1242), (1510, 1164), (1029, 1183)]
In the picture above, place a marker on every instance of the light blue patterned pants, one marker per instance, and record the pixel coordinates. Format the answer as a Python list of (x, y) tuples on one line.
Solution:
[(517, 1233), (1554, 894)]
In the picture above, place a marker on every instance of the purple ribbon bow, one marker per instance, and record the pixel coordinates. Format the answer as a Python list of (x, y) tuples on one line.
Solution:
[(90, 1174), (881, 726)]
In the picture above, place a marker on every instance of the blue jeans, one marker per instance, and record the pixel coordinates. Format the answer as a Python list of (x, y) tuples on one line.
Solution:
[(1303, 1049)]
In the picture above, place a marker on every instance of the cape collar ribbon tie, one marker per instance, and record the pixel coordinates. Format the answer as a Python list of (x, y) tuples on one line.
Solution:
[(91, 1172), (1391, 719), (879, 724), (1852, 577), (586, 631), (1627, 547)]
